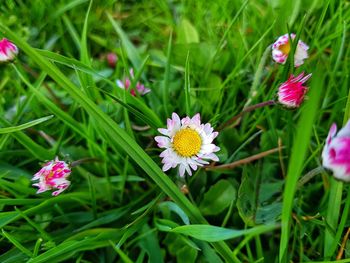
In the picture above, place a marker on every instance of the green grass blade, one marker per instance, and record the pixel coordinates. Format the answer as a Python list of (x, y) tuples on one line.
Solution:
[(167, 76), (25, 125), (130, 49), (187, 86), (35, 149), (17, 244), (214, 233), (146, 119)]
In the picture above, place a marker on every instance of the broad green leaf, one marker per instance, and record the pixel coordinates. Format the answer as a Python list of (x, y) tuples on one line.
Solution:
[(150, 243), (186, 254), (256, 201), (219, 197), (187, 33), (176, 209), (214, 233)]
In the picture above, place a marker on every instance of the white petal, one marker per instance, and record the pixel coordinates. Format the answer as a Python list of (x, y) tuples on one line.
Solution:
[(194, 167), (201, 161), (339, 172), (196, 119), (163, 142), (186, 121), (176, 119), (181, 170), (208, 129), (164, 131), (213, 157), (188, 170), (120, 84), (208, 148), (166, 167), (345, 131)]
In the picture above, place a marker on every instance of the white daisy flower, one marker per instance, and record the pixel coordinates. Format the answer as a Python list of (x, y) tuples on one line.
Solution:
[(188, 144)]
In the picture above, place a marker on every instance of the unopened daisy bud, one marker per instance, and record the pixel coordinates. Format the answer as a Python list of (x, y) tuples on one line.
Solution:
[(188, 144), (336, 152), (282, 47), (8, 50), (53, 175), (112, 59), (292, 92)]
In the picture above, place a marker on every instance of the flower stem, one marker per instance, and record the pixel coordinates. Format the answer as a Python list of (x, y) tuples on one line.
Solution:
[(244, 111), (84, 160), (243, 161)]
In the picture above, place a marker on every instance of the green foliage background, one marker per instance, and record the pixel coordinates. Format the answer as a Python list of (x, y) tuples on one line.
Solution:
[(59, 98)]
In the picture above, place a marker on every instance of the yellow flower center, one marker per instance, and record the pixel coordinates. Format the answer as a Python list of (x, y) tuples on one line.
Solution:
[(187, 142), (50, 175), (285, 48)]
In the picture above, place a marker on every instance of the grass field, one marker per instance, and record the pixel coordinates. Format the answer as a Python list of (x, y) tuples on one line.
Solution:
[(267, 199)]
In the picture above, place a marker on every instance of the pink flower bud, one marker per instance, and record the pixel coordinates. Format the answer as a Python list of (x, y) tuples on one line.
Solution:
[(112, 59), (336, 152), (8, 50), (292, 92), (53, 175)]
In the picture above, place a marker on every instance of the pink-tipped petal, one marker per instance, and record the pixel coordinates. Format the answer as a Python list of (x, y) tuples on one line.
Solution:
[(336, 152), (345, 131)]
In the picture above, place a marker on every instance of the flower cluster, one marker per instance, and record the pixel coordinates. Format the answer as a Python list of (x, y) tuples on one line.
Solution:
[(187, 143), (8, 50), (141, 89), (53, 175)]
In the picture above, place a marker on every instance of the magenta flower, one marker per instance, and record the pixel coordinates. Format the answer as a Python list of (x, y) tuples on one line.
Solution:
[(141, 89), (53, 175), (8, 50), (188, 144), (292, 92), (112, 59), (281, 49), (336, 152)]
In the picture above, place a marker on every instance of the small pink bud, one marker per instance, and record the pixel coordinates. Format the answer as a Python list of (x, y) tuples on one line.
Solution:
[(8, 50), (112, 59), (292, 92)]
